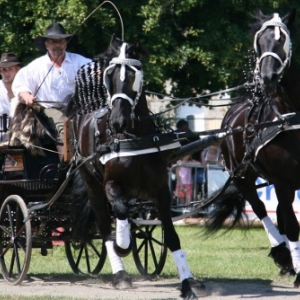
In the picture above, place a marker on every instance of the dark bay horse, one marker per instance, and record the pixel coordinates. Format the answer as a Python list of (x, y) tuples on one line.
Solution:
[(129, 159), (265, 149)]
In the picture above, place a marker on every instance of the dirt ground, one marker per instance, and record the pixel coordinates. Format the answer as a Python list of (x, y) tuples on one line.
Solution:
[(167, 289)]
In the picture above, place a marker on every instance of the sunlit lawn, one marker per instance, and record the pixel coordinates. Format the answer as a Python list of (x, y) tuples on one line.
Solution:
[(240, 253), (237, 255)]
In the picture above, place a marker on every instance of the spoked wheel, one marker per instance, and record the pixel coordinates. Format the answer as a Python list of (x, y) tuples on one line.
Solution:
[(149, 249), (15, 240), (86, 257)]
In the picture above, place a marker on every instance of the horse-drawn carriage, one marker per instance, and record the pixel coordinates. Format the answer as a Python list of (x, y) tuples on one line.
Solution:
[(36, 213), (135, 155), (28, 184)]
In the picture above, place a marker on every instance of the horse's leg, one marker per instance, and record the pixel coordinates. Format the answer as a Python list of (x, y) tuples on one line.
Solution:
[(285, 196), (279, 252), (121, 280), (189, 287), (119, 205), (120, 244), (281, 227)]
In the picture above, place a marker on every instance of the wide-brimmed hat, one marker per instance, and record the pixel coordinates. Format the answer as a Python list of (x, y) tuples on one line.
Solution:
[(54, 31), (9, 60)]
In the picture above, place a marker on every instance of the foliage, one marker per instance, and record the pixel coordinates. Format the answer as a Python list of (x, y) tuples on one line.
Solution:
[(198, 45)]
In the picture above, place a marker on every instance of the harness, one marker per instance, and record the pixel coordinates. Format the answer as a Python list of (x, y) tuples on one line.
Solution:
[(138, 82), (280, 27)]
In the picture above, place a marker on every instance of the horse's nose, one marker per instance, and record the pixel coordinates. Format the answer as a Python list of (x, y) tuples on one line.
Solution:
[(118, 124), (268, 75), (268, 81)]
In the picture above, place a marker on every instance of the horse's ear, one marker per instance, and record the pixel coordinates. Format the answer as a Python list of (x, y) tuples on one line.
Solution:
[(140, 52), (115, 42), (289, 19), (259, 13)]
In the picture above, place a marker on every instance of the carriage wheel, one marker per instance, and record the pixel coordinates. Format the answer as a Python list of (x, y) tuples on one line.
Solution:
[(15, 240), (86, 257), (149, 249)]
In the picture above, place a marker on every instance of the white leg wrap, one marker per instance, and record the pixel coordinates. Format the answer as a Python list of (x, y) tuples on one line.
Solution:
[(295, 253), (115, 261), (181, 264), (287, 242), (273, 234), (122, 234)]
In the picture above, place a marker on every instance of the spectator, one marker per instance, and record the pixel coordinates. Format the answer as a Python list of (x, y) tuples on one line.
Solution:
[(184, 181), (183, 126), (9, 66), (211, 155), (51, 77)]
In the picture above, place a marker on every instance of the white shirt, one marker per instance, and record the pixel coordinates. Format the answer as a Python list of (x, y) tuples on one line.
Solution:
[(56, 85), (4, 109), (4, 100)]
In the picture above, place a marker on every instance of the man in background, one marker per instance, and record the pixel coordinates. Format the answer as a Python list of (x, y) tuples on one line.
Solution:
[(9, 66)]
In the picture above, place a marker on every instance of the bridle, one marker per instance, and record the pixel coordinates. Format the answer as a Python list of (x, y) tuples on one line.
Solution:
[(138, 82), (280, 27)]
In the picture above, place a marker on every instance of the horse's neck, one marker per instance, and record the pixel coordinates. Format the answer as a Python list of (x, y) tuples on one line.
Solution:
[(144, 124), (291, 84)]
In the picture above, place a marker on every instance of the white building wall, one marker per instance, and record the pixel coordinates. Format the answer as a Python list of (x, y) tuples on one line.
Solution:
[(193, 114)]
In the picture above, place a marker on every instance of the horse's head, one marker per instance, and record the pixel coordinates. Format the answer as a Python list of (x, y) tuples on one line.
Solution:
[(273, 48), (124, 82)]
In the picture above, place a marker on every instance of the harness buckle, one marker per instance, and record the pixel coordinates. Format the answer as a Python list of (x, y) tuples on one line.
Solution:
[(116, 145)]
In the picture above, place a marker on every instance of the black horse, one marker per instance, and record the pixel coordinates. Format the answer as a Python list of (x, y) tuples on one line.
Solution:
[(128, 156), (269, 147)]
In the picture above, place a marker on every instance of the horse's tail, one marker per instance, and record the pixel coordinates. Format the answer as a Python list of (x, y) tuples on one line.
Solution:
[(228, 207), (81, 214)]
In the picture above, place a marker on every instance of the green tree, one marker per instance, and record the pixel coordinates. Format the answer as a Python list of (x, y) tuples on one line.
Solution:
[(196, 44)]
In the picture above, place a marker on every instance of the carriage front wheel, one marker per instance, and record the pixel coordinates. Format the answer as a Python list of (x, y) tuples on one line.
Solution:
[(86, 257), (148, 248), (15, 239)]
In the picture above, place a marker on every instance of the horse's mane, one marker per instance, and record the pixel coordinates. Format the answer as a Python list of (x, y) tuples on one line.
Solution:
[(259, 19)]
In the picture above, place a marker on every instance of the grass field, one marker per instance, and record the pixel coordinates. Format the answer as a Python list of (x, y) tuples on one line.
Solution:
[(239, 254)]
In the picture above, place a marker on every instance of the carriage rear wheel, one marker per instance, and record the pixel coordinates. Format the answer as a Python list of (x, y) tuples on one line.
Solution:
[(148, 248), (86, 257), (15, 240)]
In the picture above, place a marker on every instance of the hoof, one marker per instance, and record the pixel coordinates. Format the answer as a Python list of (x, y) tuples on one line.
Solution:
[(297, 281), (122, 281), (287, 272), (192, 289), (282, 258), (120, 251)]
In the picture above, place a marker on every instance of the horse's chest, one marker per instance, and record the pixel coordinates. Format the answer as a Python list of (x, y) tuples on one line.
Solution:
[(139, 176)]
